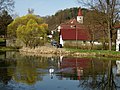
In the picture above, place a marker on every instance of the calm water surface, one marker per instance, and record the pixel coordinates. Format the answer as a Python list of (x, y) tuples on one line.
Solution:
[(18, 72)]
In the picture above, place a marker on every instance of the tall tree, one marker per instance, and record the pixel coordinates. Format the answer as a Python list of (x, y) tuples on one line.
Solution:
[(5, 20), (32, 34), (30, 29), (96, 23), (20, 21), (109, 7)]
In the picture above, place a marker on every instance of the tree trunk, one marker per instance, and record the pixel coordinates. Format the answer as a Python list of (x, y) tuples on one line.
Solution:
[(109, 24), (109, 37)]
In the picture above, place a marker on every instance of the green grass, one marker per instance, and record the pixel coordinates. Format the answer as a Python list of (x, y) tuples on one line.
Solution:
[(2, 39), (7, 48), (105, 53)]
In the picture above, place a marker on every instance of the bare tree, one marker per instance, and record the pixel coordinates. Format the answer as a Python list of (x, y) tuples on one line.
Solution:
[(95, 22), (7, 5), (109, 7), (30, 11)]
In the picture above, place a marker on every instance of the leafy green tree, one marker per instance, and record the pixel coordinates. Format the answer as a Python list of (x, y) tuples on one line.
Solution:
[(32, 34), (20, 21)]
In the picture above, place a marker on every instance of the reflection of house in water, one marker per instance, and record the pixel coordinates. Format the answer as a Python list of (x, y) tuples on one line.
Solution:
[(81, 68), (118, 67), (73, 67)]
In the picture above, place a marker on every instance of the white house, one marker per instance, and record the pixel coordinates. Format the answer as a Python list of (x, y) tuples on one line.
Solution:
[(118, 39), (74, 30)]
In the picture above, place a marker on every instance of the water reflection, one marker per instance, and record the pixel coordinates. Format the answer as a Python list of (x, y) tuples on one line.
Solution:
[(4, 77), (118, 67), (54, 73)]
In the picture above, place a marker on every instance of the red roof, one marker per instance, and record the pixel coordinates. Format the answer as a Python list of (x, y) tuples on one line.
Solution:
[(74, 31)]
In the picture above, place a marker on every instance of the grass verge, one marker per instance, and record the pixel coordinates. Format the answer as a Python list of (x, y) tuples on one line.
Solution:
[(104, 53), (8, 49)]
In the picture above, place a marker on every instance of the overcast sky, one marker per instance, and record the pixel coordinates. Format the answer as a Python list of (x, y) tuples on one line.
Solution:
[(43, 7)]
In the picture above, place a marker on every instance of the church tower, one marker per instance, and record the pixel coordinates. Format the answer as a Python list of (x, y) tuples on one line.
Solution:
[(80, 17)]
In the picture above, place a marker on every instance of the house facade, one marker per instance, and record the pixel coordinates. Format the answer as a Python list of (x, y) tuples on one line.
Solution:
[(118, 38), (74, 31)]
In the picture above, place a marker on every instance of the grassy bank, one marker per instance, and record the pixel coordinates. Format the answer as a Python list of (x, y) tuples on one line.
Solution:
[(103, 53), (7, 49)]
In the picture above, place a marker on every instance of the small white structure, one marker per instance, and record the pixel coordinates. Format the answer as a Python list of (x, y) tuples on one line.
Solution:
[(118, 39)]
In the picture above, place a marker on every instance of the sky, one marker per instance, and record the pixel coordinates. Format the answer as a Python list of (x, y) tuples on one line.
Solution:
[(43, 7)]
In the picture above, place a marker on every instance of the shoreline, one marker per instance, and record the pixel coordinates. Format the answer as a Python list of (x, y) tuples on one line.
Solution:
[(53, 51)]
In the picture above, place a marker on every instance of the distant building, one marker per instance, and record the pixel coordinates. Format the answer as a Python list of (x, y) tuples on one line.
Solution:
[(118, 38), (74, 31)]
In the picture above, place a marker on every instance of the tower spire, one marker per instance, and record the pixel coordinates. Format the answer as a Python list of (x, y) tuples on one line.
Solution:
[(80, 17), (79, 12)]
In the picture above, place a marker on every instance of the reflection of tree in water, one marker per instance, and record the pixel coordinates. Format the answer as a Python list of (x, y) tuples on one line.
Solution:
[(7, 67), (100, 76), (4, 75), (26, 69)]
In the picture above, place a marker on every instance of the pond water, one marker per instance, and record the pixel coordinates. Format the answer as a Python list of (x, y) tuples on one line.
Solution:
[(18, 72)]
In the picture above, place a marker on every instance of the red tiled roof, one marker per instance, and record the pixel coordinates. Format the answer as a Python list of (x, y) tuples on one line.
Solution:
[(73, 33), (72, 28), (72, 21)]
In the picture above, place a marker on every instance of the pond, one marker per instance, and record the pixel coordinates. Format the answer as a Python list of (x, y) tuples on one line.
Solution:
[(18, 72)]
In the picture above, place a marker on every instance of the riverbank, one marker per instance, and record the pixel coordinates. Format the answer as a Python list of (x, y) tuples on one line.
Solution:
[(97, 53), (2, 49), (44, 50)]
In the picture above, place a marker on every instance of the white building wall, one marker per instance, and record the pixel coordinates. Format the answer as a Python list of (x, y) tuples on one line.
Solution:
[(61, 40), (80, 19), (118, 40)]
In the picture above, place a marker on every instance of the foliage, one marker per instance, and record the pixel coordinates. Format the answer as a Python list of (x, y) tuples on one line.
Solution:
[(20, 21), (56, 36), (32, 34), (5, 20)]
